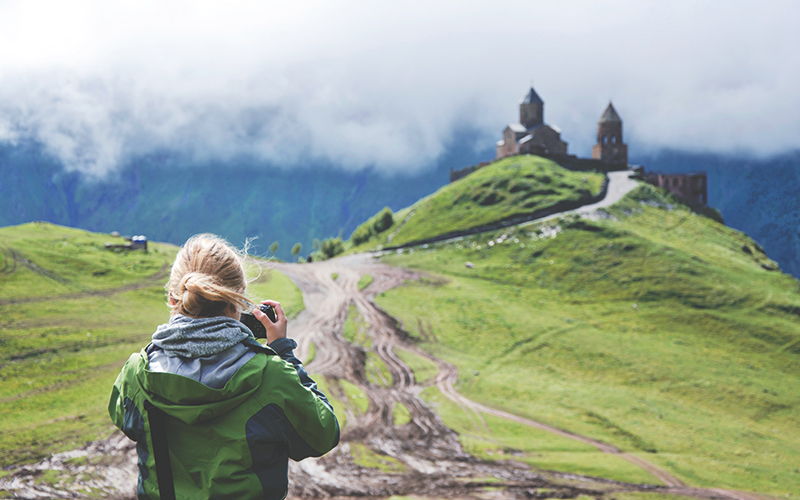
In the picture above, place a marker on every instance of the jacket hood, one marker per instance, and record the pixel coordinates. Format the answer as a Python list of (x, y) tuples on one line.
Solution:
[(191, 401), (190, 337)]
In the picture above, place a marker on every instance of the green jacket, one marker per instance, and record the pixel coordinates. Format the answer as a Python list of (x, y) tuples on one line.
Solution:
[(232, 442)]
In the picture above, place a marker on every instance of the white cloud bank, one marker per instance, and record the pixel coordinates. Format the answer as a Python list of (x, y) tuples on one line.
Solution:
[(385, 84)]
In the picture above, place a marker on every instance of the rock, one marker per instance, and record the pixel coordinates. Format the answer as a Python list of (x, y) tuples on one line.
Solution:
[(469, 265)]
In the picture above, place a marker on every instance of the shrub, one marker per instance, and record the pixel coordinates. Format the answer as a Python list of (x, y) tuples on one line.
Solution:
[(331, 247), (361, 234), (383, 220), (377, 224)]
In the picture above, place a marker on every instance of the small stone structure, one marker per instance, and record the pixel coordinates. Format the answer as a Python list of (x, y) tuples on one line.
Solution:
[(692, 188), (135, 243)]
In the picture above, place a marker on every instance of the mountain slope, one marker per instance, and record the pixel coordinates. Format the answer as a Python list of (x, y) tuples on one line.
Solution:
[(655, 329)]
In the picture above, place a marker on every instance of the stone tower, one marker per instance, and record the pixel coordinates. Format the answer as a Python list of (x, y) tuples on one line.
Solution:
[(531, 110), (610, 147)]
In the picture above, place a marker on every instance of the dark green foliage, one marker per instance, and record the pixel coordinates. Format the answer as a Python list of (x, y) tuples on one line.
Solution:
[(297, 248), (384, 220), (331, 247), (377, 224), (361, 234)]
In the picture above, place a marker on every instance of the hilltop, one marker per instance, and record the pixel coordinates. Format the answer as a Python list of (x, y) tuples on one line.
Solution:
[(508, 191)]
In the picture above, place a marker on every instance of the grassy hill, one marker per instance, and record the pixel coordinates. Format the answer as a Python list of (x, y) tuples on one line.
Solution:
[(71, 313), (509, 188), (655, 329)]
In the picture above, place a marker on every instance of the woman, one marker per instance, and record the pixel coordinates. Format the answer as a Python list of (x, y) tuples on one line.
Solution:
[(206, 403)]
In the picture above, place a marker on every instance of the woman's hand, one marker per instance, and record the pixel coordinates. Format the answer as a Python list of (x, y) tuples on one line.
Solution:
[(275, 330)]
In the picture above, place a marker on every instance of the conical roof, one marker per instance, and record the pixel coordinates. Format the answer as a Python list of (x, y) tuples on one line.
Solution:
[(532, 98), (610, 115)]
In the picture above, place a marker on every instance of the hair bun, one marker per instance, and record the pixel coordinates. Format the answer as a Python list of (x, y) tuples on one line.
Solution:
[(206, 278), (192, 277)]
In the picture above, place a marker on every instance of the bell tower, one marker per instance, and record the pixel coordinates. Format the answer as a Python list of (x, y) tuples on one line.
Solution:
[(610, 147), (531, 110)]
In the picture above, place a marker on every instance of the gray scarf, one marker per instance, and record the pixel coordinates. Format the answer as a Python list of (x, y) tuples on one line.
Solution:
[(197, 337)]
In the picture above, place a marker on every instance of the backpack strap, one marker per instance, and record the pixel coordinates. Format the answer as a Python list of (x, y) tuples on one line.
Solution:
[(158, 435)]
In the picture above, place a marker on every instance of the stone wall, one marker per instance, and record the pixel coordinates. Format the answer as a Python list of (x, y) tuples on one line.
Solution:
[(689, 187)]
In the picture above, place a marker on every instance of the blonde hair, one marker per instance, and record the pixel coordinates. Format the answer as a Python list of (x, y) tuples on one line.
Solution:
[(207, 278)]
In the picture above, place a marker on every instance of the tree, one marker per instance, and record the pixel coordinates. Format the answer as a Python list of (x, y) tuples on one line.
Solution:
[(273, 249), (297, 248), (383, 220), (331, 247)]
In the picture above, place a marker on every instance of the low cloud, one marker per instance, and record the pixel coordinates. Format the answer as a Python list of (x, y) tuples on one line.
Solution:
[(385, 85)]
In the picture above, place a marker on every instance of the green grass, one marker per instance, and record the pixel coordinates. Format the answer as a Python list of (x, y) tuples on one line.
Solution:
[(344, 396), (423, 368), (400, 414), (514, 186), (337, 399), (366, 457), (364, 282), (276, 286), (312, 353), (657, 330), (507, 440), (355, 397), (72, 312), (355, 328), (377, 372)]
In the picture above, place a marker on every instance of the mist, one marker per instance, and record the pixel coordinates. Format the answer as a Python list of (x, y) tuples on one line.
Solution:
[(386, 85)]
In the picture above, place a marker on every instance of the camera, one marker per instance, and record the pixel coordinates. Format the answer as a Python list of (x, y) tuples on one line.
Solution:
[(255, 326)]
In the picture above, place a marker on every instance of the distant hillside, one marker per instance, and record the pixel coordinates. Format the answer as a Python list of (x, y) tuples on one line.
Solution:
[(512, 188), (660, 331)]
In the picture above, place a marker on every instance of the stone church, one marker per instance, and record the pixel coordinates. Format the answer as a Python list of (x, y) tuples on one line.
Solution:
[(531, 135)]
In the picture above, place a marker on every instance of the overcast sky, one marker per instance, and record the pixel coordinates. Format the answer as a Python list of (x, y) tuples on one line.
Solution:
[(386, 84)]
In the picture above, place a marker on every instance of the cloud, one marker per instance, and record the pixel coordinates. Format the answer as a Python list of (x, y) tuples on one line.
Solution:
[(385, 84)]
